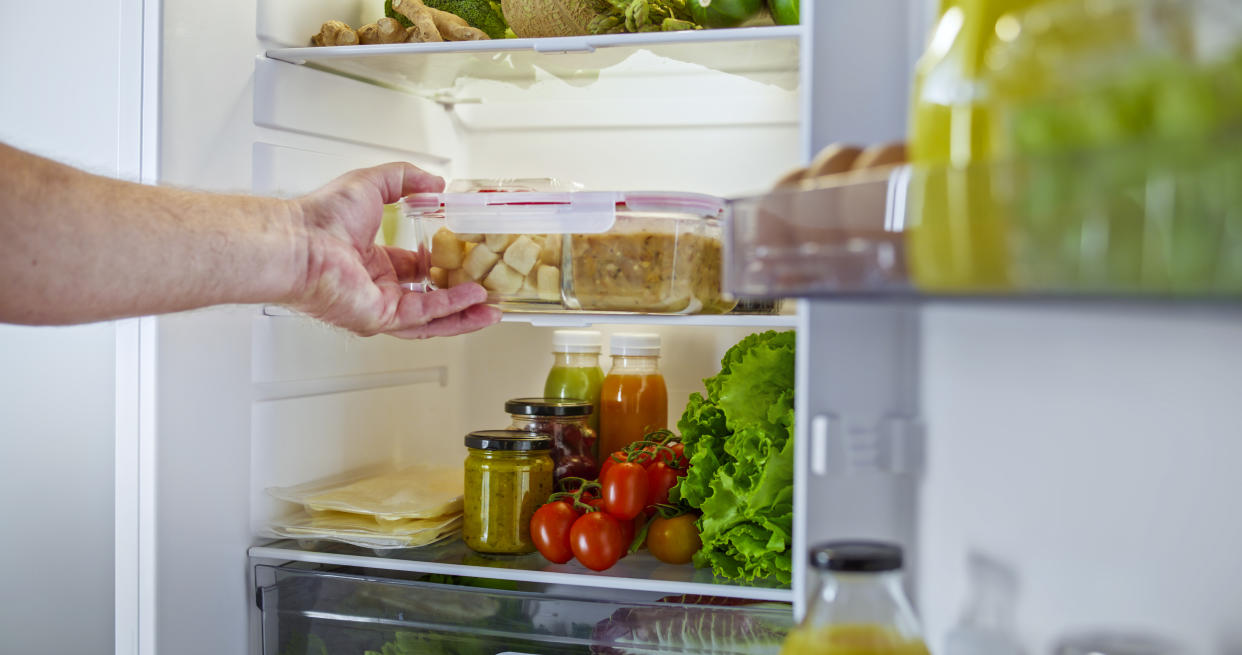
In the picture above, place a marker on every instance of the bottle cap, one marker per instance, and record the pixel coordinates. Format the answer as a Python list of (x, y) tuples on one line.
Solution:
[(857, 556), (635, 343), (507, 440), (548, 407), (576, 341)]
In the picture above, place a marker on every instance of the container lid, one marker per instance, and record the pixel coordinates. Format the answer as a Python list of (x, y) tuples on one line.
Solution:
[(857, 556), (576, 341), (549, 407), (514, 440), (635, 343)]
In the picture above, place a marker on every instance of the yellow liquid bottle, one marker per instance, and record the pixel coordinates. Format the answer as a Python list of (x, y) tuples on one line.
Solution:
[(957, 239), (859, 607)]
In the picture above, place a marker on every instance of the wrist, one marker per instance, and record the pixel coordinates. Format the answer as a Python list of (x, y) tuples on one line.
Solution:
[(294, 282)]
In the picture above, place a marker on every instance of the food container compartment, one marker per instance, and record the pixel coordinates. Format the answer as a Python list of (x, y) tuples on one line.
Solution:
[(845, 234), (319, 609), (575, 250)]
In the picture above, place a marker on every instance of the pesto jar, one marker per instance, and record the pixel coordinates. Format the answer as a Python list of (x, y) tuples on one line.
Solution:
[(508, 476)]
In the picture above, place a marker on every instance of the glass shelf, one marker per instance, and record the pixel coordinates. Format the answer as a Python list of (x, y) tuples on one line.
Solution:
[(637, 572), (768, 53), (585, 319)]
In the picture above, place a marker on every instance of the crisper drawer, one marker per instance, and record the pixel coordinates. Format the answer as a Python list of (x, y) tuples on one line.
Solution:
[(315, 610)]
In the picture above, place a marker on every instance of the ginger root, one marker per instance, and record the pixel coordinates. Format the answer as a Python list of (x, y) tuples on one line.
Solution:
[(424, 25), (429, 24), (335, 32), (385, 30), (455, 28)]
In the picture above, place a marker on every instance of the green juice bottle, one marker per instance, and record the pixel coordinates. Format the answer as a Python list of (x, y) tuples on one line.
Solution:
[(575, 369)]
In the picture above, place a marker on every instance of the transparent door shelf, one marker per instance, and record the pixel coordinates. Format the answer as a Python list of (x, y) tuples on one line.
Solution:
[(1145, 222), (637, 572), (586, 319), (747, 51)]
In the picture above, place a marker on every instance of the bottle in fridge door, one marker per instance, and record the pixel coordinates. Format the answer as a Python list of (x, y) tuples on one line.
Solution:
[(859, 607), (634, 398)]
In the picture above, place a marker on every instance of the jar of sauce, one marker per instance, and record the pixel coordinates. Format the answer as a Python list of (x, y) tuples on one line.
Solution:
[(508, 476), (634, 399), (564, 420)]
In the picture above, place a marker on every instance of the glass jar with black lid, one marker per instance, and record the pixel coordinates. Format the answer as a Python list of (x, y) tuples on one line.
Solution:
[(566, 422), (508, 475)]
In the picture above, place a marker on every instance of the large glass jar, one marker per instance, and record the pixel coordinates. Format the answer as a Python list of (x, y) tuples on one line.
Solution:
[(565, 421), (508, 475), (859, 607)]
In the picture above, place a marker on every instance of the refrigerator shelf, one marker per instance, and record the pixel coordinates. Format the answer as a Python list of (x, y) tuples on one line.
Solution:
[(637, 572), (758, 52), (587, 319)]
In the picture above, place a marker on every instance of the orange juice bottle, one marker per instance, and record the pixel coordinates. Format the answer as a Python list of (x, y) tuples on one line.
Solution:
[(634, 399)]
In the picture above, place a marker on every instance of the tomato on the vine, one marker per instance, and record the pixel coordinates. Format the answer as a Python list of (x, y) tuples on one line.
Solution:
[(597, 540), (549, 529), (677, 460), (625, 490), (609, 462), (660, 478), (675, 540)]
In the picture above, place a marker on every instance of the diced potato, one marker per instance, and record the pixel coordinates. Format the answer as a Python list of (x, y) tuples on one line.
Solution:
[(503, 280), (446, 251), (470, 238), (439, 277), (458, 276), (551, 252), (549, 283), (498, 242), (479, 261), (530, 284), (522, 255)]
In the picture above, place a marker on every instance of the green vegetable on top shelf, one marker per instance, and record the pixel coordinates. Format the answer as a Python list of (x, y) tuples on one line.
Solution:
[(739, 439), (482, 14), (785, 12), (723, 13)]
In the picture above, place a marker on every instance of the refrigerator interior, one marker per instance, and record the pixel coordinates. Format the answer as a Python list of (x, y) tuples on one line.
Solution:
[(1085, 450)]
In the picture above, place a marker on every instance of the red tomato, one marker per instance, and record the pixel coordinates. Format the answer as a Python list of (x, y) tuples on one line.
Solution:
[(660, 478), (612, 460), (597, 540), (625, 490), (549, 529)]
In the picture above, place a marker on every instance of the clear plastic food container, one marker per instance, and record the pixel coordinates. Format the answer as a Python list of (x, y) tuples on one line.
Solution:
[(646, 252)]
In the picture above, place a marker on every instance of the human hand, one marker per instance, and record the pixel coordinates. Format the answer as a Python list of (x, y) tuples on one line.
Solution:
[(353, 283)]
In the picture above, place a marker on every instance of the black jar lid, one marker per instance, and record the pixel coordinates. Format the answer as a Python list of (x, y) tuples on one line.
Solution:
[(548, 407), (513, 440), (857, 556)]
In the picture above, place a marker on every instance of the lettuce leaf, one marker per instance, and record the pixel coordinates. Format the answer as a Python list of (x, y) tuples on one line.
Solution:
[(739, 440)]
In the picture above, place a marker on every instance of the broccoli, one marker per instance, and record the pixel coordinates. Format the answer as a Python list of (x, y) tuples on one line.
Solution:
[(483, 14)]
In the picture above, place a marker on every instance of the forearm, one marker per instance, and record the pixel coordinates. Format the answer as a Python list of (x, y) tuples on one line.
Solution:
[(75, 247)]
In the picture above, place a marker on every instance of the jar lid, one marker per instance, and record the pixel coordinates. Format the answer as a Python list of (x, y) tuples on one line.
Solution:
[(515, 440), (576, 341), (635, 343), (857, 556), (549, 406)]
